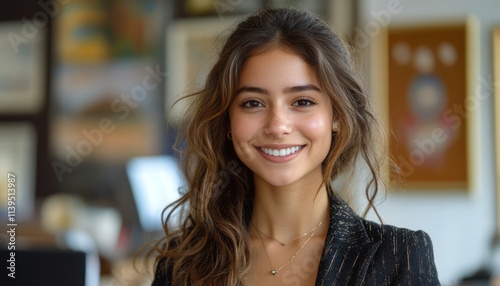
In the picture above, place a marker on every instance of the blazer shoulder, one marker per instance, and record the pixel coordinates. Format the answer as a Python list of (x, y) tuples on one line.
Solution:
[(163, 268), (162, 274), (406, 255), (393, 235)]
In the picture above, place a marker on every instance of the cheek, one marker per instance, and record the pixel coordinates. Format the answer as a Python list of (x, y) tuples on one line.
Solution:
[(241, 128), (242, 132), (317, 127), (243, 149)]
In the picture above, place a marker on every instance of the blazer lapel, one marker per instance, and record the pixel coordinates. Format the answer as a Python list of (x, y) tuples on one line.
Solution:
[(348, 250)]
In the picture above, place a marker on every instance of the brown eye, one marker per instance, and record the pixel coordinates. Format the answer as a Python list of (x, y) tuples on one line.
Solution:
[(303, 102), (251, 104)]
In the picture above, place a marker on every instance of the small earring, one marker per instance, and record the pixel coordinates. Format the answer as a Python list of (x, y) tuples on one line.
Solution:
[(229, 135), (335, 127)]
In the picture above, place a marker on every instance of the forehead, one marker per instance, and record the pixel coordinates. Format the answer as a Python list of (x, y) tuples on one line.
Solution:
[(277, 66)]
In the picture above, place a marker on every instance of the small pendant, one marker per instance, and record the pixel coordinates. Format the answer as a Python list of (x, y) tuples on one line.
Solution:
[(273, 272)]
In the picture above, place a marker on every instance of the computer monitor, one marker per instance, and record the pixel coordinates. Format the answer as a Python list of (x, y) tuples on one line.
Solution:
[(47, 266), (155, 182)]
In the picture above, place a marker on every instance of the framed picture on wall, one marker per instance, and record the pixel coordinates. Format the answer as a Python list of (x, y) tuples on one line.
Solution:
[(426, 78), (496, 74), (192, 46), (22, 58)]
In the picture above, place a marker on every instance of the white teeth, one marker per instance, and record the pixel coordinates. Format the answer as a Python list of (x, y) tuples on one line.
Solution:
[(280, 152)]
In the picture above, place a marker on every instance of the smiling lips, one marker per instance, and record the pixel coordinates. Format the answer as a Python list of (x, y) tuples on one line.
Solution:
[(281, 152)]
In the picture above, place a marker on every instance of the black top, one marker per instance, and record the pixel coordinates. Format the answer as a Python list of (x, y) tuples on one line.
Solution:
[(361, 252)]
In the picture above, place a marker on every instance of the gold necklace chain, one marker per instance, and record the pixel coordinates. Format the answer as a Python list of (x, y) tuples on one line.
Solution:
[(275, 271), (285, 243)]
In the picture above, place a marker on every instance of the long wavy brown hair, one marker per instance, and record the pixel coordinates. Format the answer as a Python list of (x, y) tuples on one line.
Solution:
[(208, 243)]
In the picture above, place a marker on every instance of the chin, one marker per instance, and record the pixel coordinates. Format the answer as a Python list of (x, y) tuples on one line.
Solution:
[(278, 181)]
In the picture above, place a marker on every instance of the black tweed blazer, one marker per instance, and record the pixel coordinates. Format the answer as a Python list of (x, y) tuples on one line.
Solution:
[(361, 252)]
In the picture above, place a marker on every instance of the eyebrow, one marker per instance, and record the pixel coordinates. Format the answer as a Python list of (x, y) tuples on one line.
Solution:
[(292, 89)]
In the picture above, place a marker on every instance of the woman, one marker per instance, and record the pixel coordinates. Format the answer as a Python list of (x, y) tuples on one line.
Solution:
[(281, 116)]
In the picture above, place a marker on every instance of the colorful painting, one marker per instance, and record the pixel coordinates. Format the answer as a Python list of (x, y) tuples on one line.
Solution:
[(428, 82)]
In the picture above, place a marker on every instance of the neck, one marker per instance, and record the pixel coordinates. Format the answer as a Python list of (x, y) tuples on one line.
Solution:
[(287, 212)]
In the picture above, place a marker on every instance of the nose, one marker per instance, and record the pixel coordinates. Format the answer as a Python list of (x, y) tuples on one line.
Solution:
[(278, 123)]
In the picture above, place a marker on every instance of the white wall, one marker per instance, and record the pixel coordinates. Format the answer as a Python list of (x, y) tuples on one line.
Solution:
[(460, 224)]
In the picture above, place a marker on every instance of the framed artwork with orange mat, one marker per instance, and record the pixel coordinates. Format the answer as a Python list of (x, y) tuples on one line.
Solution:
[(426, 93)]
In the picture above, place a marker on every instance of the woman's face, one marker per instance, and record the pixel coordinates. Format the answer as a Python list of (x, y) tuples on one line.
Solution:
[(281, 121)]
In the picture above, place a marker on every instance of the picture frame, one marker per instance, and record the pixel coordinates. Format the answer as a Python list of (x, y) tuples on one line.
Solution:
[(18, 157), (23, 61), (422, 77), (496, 75), (192, 46)]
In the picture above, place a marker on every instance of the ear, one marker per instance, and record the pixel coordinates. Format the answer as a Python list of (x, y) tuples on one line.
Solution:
[(335, 126)]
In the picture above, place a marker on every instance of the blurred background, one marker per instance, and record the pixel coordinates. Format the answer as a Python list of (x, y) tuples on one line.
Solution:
[(87, 136)]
